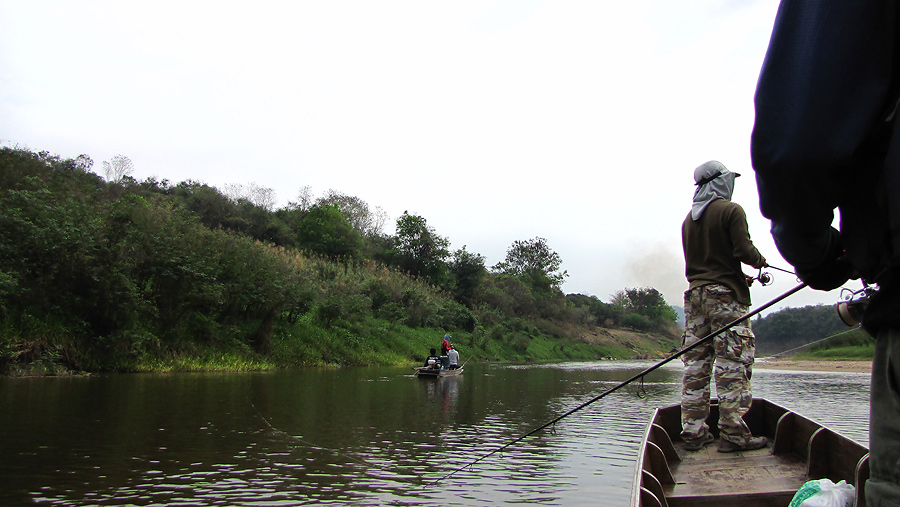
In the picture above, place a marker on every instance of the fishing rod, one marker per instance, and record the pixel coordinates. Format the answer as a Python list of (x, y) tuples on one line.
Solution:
[(632, 379)]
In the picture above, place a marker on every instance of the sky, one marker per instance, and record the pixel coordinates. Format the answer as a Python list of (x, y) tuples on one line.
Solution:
[(580, 122)]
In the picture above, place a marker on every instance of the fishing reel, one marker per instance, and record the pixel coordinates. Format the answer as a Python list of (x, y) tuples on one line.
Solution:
[(854, 304), (764, 278)]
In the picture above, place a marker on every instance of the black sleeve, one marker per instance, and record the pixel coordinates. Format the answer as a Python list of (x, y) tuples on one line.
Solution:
[(823, 89)]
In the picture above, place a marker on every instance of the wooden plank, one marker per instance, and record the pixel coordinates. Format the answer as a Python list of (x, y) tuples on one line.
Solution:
[(714, 474), (754, 500)]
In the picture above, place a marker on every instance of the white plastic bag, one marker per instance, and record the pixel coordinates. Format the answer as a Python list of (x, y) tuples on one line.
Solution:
[(824, 493)]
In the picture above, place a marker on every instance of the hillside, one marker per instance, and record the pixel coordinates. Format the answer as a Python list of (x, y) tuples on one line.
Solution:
[(791, 328), (127, 275)]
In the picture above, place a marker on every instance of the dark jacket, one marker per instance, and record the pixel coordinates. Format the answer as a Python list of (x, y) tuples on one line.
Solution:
[(825, 138), (716, 245)]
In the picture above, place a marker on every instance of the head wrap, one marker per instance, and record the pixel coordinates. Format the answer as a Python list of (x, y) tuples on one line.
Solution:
[(713, 182)]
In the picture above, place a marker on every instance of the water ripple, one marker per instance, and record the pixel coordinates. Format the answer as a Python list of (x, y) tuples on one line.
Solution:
[(342, 437)]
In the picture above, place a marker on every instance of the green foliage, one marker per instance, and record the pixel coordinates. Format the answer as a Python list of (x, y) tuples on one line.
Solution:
[(356, 212), (126, 275), (637, 322), (645, 301), (468, 274), (323, 231), (535, 262), (794, 327), (595, 312), (853, 344), (419, 250)]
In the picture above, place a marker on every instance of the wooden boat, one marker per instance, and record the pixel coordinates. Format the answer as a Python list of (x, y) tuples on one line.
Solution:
[(799, 450), (428, 372)]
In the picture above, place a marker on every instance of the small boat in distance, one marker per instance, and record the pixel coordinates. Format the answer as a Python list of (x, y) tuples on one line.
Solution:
[(799, 450), (432, 372)]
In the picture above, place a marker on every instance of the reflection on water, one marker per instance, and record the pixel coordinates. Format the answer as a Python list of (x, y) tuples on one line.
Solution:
[(361, 436)]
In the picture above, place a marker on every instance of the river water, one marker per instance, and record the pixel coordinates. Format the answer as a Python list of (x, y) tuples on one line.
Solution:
[(356, 436)]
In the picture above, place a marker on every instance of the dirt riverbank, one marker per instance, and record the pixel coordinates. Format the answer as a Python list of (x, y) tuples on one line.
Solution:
[(813, 365)]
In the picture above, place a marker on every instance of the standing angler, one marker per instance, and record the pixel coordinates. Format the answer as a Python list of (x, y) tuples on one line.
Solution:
[(716, 241)]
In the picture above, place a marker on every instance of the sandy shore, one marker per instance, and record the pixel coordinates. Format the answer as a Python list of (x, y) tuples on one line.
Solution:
[(813, 365)]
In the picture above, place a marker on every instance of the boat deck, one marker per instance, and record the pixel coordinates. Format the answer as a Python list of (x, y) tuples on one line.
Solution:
[(717, 477)]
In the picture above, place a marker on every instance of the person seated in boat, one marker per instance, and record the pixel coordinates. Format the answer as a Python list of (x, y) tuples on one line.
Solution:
[(433, 361), (453, 355), (445, 348), (445, 345)]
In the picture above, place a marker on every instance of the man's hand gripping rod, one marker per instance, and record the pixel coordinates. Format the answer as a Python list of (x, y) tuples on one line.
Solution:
[(639, 375)]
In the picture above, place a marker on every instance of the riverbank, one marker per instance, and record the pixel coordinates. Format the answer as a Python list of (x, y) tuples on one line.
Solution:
[(813, 365)]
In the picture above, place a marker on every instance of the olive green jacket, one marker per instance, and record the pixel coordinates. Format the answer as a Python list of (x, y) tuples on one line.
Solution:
[(716, 245)]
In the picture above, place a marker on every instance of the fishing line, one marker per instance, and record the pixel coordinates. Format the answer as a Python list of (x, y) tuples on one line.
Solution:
[(419, 479), (641, 392), (632, 379), (817, 341), (781, 269)]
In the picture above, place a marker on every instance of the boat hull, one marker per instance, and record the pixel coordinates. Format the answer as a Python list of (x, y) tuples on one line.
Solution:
[(425, 372), (799, 450)]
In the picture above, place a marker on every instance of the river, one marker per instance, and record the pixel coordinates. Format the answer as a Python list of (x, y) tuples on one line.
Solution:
[(356, 436)]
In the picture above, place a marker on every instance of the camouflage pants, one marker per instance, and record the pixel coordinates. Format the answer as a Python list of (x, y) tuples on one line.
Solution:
[(707, 309)]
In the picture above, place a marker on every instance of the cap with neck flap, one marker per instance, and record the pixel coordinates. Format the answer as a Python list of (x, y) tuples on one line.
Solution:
[(714, 181)]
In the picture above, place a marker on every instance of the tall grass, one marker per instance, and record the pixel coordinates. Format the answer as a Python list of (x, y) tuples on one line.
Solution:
[(849, 345)]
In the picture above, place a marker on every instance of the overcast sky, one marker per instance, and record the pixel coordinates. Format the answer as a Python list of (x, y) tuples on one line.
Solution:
[(577, 121)]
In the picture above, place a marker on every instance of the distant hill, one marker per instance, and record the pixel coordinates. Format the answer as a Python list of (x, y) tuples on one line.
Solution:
[(793, 327), (679, 312)]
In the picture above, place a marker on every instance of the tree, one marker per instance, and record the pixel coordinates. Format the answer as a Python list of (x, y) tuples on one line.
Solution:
[(604, 314), (83, 163), (533, 259), (324, 230), (468, 272), (262, 197), (118, 168), (420, 251), (356, 212), (645, 301), (304, 199)]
